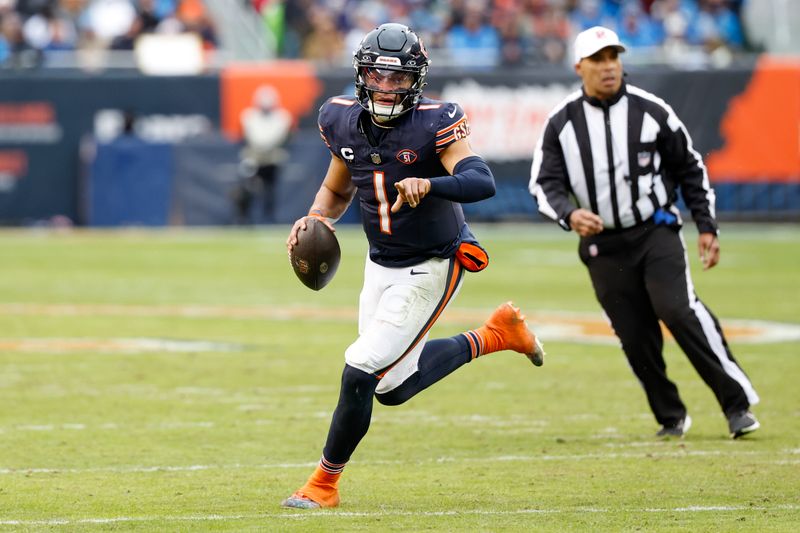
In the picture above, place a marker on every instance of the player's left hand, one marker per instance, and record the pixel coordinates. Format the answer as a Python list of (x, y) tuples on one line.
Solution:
[(708, 246), (300, 225), (410, 191)]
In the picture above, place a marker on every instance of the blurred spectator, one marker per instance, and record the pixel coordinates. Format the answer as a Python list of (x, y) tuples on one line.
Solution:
[(676, 17), (324, 43), (151, 12), (107, 19), (266, 126), (637, 29), (194, 18), (717, 25), (398, 12), (297, 27), (549, 31), (19, 54), (473, 43), (590, 13), (163, 8), (369, 17), (48, 30), (512, 40), (27, 8), (429, 21), (465, 33)]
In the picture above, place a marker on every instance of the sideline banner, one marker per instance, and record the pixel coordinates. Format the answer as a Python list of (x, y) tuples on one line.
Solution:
[(45, 114), (744, 122), (762, 127)]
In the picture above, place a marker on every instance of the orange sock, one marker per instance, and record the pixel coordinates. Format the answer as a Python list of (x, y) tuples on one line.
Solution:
[(505, 329), (491, 339), (322, 487), (482, 341)]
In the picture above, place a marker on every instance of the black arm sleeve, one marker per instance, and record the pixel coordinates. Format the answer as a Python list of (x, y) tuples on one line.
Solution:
[(685, 166), (472, 180)]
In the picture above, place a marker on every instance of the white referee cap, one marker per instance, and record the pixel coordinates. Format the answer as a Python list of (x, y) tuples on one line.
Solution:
[(594, 39)]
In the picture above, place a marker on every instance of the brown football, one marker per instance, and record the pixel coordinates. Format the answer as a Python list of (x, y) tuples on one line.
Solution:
[(316, 255)]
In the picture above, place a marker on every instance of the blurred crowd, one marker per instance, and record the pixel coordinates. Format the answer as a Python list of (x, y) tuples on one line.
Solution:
[(472, 34), (488, 33), (32, 31)]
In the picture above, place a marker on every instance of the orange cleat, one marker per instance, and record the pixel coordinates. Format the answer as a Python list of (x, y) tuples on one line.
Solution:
[(299, 500), (321, 490), (506, 330)]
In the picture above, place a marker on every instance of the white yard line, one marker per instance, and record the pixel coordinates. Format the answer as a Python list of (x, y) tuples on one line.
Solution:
[(397, 418), (334, 514), (779, 457), (551, 325), (65, 345)]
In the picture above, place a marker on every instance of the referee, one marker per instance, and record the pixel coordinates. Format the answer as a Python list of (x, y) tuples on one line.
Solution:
[(608, 166)]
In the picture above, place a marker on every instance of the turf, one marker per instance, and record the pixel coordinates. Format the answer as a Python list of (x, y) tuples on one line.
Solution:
[(108, 422)]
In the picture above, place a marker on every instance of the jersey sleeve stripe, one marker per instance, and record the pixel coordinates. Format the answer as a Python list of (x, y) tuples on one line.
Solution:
[(322, 134), (342, 101), (423, 107), (451, 126), (446, 139)]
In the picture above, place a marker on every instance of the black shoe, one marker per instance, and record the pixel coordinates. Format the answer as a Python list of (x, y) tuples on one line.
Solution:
[(742, 423), (677, 430)]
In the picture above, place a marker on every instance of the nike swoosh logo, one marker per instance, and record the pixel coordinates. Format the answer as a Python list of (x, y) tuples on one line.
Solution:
[(417, 273), (452, 113)]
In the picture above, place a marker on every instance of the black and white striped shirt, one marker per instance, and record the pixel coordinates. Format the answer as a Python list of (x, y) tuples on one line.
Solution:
[(621, 158)]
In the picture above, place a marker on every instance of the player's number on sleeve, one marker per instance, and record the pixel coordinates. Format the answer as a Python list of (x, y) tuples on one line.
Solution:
[(384, 219)]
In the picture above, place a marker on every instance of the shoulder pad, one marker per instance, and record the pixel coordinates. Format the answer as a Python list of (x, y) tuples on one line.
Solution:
[(334, 111), (452, 125), (334, 107)]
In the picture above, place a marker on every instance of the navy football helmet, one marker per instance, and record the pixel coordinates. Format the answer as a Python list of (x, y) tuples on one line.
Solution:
[(391, 61)]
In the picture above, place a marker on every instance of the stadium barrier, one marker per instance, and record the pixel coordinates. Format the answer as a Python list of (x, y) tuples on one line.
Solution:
[(58, 160)]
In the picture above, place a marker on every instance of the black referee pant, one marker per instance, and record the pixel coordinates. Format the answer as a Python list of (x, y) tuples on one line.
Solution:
[(640, 275)]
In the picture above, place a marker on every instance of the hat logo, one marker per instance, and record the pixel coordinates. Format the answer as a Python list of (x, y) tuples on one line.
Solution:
[(600, 34)]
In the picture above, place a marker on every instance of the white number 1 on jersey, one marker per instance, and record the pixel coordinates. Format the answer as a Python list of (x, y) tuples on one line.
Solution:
[(384, 218)]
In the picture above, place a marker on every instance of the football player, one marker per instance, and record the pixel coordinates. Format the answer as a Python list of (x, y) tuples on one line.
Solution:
[(408, 161)]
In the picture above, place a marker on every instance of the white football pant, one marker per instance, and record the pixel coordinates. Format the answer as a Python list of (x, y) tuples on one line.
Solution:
[(397, 308)]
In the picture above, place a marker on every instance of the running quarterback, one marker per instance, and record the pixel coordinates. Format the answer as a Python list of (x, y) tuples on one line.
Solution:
[(408, 162)]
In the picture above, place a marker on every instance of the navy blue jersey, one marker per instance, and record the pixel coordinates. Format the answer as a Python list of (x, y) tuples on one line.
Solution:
[(409, 149)]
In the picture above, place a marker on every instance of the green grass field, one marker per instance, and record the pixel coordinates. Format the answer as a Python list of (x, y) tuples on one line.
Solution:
[(184, 380)]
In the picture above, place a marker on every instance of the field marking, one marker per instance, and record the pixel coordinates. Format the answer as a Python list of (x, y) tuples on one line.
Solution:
[(682, 454), (589, 328), (56, 345), (111, 426), (400, 418), (333, 514)]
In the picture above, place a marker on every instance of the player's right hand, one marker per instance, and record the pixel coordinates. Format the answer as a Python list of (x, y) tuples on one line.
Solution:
[(410, 191), (585, 223), (300, 225)]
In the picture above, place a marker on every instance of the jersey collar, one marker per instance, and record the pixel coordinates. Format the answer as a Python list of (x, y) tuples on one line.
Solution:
[(591, 100)]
